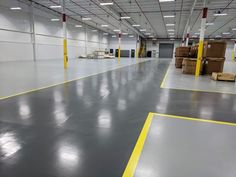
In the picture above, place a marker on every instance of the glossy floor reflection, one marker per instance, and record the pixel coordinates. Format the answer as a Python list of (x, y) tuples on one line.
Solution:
[(23, 76), (89, 127)]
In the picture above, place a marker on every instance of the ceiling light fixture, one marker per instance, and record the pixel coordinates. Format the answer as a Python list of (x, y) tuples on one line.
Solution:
[(219, 14), (125, 34), (170, 30), (78, 26), (55, 7), (55, 19), (151, 36), (86, 18), (142, 30), (172, 36), (171, 33), (125, 17), (135, 25), (104, 25), (106, 3), (172, 39), (169, 16), (131, 36), (15, 8), (194, 36), (234, 29), (166, 0), (94, 30), (225, 33), (105, 34), (209, 24), (116, 30), (113, 36), (218, 36), (170, 24)]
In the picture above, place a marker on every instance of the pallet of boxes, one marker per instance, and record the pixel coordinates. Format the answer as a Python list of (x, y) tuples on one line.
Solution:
[(212, 61)]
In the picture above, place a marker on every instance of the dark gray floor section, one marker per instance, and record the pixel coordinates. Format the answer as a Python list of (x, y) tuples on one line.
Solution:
[(89, 128), (183, 148)]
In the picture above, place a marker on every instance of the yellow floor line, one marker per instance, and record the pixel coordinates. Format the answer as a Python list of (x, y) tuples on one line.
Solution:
[(61, 83), (166, 74), (195, 119), (133, 161), (193, 90)]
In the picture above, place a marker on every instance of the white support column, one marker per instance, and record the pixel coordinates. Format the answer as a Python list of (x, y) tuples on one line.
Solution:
[(187, 36), (64, 18), (32, 30)]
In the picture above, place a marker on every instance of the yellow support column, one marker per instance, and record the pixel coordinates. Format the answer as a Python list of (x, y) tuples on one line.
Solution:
[(119, 47), (201, 42), (234, 51), (65, 56), (137, 48)]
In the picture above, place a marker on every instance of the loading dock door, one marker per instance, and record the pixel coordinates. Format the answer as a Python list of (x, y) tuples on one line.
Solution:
[(166, 50)]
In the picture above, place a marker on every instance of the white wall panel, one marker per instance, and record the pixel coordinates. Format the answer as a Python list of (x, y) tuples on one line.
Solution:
[(15, 39), (15, 51)]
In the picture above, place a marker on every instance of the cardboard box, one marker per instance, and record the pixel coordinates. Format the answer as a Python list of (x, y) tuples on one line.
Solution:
[(178, 62), (182, 51), (215, 49), (193, 51), (214, 65), (189, 65), (223, 76)]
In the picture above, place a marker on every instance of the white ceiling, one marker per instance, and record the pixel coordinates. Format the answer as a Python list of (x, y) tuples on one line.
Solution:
[(149, 14)]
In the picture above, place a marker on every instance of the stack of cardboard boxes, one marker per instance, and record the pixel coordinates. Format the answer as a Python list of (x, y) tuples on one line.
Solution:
[(212, 61), (180, 54)]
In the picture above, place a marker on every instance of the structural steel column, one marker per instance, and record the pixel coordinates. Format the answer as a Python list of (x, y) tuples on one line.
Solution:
[(86, 40), (187, 36), (64, 36), (138, 46), (119, 46), (234, 51), (33, 34), (201, 42)]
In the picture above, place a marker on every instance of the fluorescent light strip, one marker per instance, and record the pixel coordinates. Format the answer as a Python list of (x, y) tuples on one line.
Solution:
[(131, 36), (94, 30), (116, 30), (86, 18), (104, 25), (15, 8), (135, 25), (234, 29), (113, 36), (125, 17), (220, 14), (169, 16), (55, 19), (142, 30), (218, 36), (225, 33), (125, 34), (151, 36), (171, 33), (105, 33), (166, 0), (194, 36), (172, 36), (55, 7), (170, 30), (78, 26), (209, 24), (170, 24), (106, 3)]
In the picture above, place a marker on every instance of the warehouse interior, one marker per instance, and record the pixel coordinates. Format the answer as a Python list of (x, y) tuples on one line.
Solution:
[(117, 88)]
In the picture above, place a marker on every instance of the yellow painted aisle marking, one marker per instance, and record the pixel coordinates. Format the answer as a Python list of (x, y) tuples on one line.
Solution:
[(195, 119), (61, 83), (165, 77), (133, 161)]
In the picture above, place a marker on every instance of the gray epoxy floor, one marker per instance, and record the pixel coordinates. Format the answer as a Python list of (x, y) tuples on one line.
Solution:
[(176, 80), (88, 128), (186, 148), (23, 76)]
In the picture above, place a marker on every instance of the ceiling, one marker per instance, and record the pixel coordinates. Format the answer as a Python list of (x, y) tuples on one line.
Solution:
[(149, 14)]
